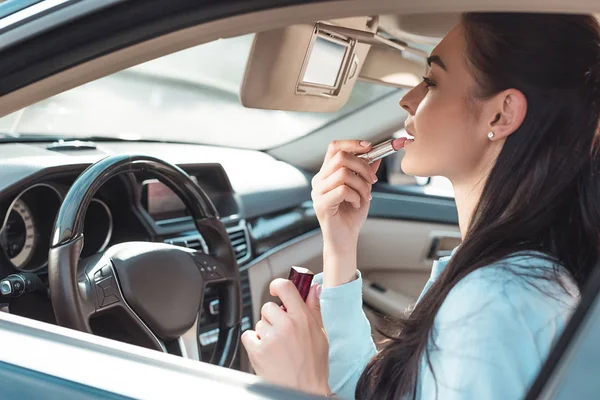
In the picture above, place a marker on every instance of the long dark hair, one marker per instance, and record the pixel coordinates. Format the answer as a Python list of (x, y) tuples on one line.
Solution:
[(543, 193)]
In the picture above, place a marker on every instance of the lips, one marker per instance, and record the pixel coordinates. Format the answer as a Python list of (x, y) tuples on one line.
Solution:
[(410, 137)]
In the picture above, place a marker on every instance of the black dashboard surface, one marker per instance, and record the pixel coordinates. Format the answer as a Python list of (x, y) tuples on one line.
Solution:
[(263, 184)]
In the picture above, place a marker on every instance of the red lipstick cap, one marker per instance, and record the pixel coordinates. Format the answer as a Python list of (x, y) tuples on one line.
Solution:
[(301, 278)]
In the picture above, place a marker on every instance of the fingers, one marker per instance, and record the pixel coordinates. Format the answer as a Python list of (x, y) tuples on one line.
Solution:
[(349, 161), (375, 166), (344, 176), (263, 329), (251, 341), (289, 295), (272, 313), (335, 197), (349, 146)]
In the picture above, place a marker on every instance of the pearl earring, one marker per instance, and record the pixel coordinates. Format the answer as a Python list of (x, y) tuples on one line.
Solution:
[(490, 135)]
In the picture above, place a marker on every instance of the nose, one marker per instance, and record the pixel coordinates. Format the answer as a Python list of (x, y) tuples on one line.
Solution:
[(411, 100)]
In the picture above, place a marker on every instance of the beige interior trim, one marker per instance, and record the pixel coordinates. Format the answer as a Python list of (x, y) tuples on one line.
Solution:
[(392, 302), (409, 284), (419, 28), (398, 245), (260, 276), (389, 66), (306, 252), (260, 21)]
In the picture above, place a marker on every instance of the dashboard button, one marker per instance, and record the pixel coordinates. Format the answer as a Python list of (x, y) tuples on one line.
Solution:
[(5, 288), (99, 295), (212, 275), (108, 300), (106, 271), (106, 291), (108, 286)]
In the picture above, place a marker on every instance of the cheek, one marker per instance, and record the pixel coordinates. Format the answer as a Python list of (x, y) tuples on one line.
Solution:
[(442, 133)]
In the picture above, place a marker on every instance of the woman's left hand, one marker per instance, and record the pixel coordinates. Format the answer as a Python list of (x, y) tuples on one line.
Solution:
[(290, 348)]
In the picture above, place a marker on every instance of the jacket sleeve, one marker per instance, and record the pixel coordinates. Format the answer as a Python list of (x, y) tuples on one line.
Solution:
[(351, 346)]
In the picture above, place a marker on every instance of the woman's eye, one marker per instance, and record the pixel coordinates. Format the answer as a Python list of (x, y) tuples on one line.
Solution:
[(428, 82)]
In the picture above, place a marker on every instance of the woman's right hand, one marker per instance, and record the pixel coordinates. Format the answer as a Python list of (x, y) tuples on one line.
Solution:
[(341, 193)]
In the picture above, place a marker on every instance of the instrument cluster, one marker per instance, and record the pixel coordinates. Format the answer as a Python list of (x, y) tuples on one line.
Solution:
[(29, 221)]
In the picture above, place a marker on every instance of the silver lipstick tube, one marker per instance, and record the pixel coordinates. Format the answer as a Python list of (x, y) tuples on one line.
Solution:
[(379, 151)]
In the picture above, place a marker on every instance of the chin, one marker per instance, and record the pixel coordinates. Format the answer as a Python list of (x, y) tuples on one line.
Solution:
[(414, 166), (411, 167)]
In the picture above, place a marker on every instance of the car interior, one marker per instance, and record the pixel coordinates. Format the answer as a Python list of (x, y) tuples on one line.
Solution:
[(200, 144)]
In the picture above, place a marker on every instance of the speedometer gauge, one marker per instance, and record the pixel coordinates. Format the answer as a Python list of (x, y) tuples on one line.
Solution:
[(19, 234)]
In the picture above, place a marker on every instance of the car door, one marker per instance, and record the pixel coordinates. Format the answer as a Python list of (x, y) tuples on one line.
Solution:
[(40, 360)]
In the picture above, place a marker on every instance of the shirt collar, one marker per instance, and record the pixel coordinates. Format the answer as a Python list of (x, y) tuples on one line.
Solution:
[(439, 265)]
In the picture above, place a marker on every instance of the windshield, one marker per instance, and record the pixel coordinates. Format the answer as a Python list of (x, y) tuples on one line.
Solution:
[(188, 96)]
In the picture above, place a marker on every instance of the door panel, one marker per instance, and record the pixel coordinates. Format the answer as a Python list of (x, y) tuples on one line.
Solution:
[(395, 258), (408, 283), (397, 245)]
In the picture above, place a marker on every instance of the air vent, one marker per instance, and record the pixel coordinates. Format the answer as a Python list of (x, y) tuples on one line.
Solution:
[(238, 235), (240, 242), (195, 242)]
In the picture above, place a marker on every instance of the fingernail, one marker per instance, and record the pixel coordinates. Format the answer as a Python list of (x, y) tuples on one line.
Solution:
[(364, 143), (370, 197), (318, 290), (374, 177)]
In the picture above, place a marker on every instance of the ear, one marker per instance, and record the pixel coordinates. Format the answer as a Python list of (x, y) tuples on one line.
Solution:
[(510, 110)]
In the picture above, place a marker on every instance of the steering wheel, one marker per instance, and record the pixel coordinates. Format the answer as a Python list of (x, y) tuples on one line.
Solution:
[(158, 287)]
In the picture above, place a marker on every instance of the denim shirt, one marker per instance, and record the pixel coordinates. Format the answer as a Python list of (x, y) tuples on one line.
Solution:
[(491, 334)]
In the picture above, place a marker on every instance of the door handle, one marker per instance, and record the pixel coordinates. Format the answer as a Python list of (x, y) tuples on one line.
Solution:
[(384, 300), (442, 245)]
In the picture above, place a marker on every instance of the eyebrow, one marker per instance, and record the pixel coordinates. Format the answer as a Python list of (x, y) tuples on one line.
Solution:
[(436, 60)]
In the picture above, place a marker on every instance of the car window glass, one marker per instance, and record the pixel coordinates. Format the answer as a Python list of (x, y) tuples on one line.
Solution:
[(188, 96)]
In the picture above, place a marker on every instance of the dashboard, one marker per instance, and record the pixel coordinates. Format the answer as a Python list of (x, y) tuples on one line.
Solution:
[(262, 202)]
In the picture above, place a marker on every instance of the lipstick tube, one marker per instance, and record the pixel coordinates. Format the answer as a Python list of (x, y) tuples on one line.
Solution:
[(302, 279), (379, 151)]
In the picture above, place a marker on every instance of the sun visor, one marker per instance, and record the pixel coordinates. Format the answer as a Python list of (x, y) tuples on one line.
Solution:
[(388, 66), (309, 67)]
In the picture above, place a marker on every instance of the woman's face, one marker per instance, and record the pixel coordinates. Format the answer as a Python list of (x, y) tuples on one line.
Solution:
[(447, 123)]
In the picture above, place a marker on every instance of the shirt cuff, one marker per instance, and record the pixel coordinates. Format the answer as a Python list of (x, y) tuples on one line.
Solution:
[(352, 288)]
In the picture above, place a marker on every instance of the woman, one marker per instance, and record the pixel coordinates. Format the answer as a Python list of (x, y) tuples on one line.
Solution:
[(509, 113)]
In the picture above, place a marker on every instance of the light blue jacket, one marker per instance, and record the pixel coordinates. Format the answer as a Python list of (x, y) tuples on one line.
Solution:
[(492, 332)]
